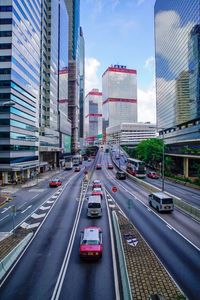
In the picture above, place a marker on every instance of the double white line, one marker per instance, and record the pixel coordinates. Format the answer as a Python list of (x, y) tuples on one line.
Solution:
[(61, 276)]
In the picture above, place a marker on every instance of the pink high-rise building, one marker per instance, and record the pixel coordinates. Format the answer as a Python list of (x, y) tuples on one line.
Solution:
[(93, 116), (119, 95)]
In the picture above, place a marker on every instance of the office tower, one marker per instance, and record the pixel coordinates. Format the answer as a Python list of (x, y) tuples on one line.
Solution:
[(119, 93), (65, 123), (73, 7), (82, 86), (177, 57), (177, 36), (93, 116), (20, 35)]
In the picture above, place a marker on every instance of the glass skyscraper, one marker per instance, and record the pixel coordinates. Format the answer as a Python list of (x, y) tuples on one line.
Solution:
[(177, 45), (177, 57), (20, 31)]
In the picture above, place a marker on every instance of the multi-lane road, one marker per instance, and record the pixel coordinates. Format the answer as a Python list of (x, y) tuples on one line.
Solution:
[(51, 268)]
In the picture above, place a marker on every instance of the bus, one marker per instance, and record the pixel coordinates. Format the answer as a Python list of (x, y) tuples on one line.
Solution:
[(77, 159), (68, 163), (136, 167)]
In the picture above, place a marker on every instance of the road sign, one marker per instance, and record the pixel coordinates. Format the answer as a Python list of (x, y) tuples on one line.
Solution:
[(114, 189)]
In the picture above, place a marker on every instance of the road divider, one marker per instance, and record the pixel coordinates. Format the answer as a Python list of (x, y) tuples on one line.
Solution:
[(7, 262)]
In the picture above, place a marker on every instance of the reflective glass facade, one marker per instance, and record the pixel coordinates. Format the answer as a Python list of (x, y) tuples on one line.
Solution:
[(93, 115), (177, 45), (19, 82)]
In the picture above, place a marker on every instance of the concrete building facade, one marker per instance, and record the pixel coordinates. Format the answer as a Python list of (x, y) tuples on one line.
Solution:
[(119, 93)]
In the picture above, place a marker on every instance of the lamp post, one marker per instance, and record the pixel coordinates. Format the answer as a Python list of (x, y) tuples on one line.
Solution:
[(163, 161), (119, 151)]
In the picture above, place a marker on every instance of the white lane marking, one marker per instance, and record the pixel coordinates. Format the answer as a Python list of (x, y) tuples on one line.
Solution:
[(37, 216), (54, 197), (113, 252), (26, 209), (44, 207), (29, 226), (5, 209), (169, 227), (22, 205), (4, 218), (178, 232), (35, 196), (50, 201), (112, 205)]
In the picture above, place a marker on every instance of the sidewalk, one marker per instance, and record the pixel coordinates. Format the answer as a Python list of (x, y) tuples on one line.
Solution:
[(7, 190)]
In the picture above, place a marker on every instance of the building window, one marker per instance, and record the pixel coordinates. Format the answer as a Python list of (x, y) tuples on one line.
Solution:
[(5, 21), (6, 8)]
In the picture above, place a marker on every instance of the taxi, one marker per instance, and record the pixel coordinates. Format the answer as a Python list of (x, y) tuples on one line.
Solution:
[(77, 169), (110, 166), (97, 192), (96, 184), (98, 167), (91, 243), (55, 182)]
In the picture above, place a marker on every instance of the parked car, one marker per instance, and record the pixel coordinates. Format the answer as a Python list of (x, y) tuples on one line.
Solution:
[(110, 166), (98, 167), (77, 169), (153, 175), (55, 182), (91, 243), (97, 192), (96, 184), (120, 175)]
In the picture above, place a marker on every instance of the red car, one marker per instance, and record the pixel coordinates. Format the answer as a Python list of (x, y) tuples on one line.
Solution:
[(91, 244), (153, 175), (98, 167), (97, 192), (55, 183), (96, 184), (77, 169), (110, 166)]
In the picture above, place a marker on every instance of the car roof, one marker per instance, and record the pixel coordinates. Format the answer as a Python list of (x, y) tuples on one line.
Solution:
[(91, 233), (97, 189), (94, 199), (161, 195)]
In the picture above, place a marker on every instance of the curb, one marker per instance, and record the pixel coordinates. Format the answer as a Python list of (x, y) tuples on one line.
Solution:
[(6, 262)]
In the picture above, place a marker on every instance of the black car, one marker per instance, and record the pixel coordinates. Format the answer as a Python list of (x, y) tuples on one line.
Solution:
[(120, 175)]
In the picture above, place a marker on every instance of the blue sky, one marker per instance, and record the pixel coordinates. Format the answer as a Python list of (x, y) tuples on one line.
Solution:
[(121, 32)]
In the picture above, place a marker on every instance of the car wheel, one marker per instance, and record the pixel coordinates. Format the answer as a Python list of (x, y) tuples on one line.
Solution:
[(157, 208), (150, 203)]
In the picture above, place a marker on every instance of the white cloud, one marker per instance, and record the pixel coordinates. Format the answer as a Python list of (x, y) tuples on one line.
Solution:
[(168, 26), (92, 80), (147, 105), (149, 63)]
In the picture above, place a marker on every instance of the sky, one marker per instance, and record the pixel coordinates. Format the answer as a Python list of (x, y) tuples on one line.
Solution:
[(121, 32)]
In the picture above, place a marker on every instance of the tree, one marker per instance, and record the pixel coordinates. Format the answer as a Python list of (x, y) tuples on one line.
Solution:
[(150, 151)]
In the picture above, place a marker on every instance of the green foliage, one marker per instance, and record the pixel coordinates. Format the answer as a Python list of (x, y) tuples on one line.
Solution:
[(150, 151)]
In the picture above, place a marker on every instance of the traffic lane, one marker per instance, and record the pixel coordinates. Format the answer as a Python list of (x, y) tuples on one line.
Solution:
[(187, 194), (95, 279), (26, 206), (35, 276), (181, 259), (181, 222)]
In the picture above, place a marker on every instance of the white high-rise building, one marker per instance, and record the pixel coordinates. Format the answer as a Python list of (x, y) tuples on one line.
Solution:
[(119, 93), (93, 116)]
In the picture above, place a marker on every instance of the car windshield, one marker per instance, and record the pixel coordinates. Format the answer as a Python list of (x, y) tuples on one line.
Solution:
[(97, 190), (94, 205), (90, 242)]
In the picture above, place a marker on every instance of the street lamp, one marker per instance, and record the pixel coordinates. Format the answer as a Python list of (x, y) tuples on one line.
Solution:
[(163, 160)]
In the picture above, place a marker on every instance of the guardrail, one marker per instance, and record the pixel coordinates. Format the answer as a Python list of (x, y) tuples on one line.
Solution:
[(6, 262), (126, 288), (178, 202)]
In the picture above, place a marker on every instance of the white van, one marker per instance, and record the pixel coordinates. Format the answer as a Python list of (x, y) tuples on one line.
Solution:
[(161, 201), (94, 208)]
